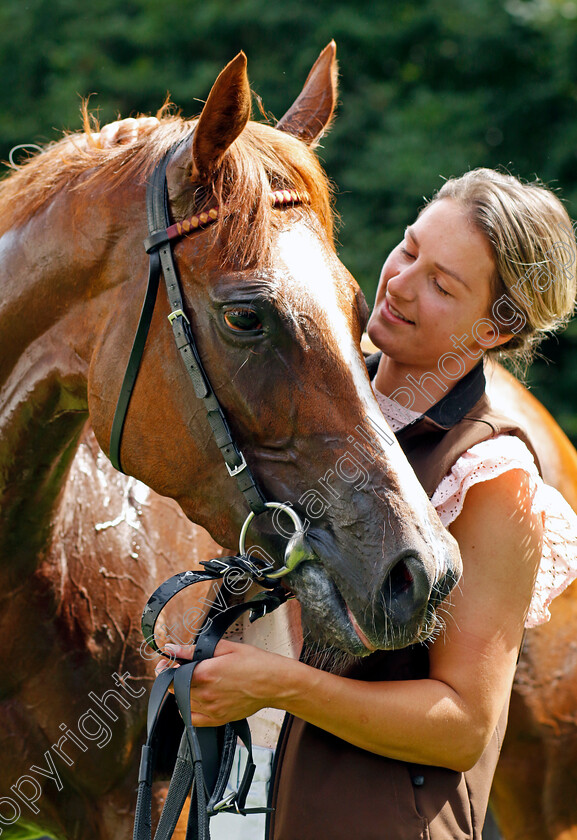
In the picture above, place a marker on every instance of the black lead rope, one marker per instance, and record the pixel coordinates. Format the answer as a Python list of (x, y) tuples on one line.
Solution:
[(205, 755), (159, 248)]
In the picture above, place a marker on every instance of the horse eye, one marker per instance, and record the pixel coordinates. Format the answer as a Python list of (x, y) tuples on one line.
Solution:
[(242, 319)]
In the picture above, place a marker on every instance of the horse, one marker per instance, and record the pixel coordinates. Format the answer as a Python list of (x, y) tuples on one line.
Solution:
[(277, 322), (534, 794)]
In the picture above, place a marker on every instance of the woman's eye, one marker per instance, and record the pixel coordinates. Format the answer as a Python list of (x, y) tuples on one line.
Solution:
[(242, 319), (406, 253), (440, 288)]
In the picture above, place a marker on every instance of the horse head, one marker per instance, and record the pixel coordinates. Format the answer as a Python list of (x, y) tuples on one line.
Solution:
[(277, 321)]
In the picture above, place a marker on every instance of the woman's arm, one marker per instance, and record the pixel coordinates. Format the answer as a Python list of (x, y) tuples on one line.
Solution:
[(120, 133), (123, 132), (444, 720)]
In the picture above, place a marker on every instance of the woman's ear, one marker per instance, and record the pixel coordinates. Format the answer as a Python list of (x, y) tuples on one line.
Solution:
[(488, 334)]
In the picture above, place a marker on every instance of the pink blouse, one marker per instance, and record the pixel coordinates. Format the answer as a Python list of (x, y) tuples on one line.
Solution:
[(487, 460)]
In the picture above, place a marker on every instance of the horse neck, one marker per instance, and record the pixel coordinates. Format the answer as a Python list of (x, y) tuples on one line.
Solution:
[(48, 320)]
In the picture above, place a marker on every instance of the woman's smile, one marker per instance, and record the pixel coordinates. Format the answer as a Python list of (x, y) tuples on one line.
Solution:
[(392, 314)]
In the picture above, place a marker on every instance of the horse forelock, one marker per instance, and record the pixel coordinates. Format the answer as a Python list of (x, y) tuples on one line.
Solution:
[(261, 159)]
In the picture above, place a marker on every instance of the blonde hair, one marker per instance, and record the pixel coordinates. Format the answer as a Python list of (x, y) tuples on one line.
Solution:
[(533, 244)]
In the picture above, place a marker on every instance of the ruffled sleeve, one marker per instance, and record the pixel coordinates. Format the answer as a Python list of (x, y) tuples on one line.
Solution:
[(491, 458)]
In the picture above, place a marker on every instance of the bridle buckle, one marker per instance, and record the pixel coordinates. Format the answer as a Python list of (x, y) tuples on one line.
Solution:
[(235, 470), (178, 313)]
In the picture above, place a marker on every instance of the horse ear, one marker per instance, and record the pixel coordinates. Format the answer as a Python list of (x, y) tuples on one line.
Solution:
[(312, 112), (224, 116)]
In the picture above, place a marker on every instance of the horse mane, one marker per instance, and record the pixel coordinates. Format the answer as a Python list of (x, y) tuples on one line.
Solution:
[(261, 159)]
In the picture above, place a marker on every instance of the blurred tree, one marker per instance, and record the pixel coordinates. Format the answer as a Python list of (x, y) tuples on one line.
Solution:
[(428, 90)]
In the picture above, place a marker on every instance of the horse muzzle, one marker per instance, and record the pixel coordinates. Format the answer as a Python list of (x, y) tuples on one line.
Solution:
[(357, 613)]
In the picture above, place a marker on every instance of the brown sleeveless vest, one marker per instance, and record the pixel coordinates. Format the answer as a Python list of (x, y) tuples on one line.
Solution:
[(324, 788)]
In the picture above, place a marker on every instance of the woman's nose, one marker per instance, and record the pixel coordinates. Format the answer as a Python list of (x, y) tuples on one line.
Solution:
[(402, 284)]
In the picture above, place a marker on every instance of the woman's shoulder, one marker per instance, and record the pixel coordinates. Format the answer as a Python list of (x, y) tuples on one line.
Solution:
[(508, 455), (481, 462)]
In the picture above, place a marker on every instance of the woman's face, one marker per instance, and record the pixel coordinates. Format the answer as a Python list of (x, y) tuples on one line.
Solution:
[(434, 295)]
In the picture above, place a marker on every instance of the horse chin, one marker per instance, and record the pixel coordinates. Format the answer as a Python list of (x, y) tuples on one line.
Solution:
[(325, 616), (329, 626), (367, 643)]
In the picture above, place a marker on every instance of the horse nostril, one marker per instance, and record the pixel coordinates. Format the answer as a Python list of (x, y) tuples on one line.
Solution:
[(405, 590), (400, 579)]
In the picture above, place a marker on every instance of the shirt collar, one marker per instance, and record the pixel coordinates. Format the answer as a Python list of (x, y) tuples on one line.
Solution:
[(454, 405)]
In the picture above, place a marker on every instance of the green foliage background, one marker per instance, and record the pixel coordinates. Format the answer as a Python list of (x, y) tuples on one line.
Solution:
[(429, 88)]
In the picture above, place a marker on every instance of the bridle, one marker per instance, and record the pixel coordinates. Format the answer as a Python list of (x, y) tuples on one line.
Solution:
[(205, 757), (158, 246)]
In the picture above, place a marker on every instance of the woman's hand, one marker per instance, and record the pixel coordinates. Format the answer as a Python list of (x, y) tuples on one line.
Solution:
[(238, 681), (123, 132)]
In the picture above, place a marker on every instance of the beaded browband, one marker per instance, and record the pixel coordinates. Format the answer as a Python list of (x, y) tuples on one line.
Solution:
[(278, 198)]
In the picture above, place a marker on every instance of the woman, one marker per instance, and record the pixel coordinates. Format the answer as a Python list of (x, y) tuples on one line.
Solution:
[(405, 745)]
